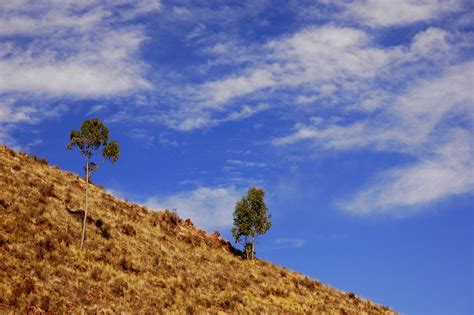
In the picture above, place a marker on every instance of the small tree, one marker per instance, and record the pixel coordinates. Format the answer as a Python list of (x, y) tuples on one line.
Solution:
[(92, 136), (251, 219)]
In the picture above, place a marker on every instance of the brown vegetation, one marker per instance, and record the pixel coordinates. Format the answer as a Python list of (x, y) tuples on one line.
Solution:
[(135, 260)]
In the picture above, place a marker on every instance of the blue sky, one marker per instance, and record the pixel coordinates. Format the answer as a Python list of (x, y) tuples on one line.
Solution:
[(355, 116)]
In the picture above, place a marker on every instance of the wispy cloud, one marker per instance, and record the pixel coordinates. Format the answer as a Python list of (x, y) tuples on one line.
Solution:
[(308, 59), (289, 242), (246, 163), (417, 123), (76, 50), (385, 13), (449, 172), (142, 136), (189, 119), (96, 109), (73, 49), (14, 113)]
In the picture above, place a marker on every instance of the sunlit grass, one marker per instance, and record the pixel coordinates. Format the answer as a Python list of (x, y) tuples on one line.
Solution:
[(135, 260)]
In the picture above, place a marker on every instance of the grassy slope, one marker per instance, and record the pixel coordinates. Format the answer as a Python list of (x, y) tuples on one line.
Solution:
[(135, 260)]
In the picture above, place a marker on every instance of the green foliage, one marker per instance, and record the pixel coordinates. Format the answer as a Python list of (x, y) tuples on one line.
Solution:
[(251, 219), (111, 151), (92, 136)]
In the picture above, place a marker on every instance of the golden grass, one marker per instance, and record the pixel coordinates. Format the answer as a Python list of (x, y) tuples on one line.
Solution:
[(135, 261)]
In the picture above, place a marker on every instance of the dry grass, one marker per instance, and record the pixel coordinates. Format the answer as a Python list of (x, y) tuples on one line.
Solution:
[(135, 260)]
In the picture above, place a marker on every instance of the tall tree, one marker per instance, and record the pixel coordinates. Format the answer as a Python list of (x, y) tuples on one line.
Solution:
[(251, 219), (93, 136)]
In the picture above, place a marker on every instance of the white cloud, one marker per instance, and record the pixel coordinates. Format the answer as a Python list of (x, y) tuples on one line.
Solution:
[(408, 121), (187, 120), (449, 172), (208, 207), (423, 107), (319, 58), (20, 114), (386, 13), (12, 112), (416, 123), (22, 21), (142, 136), (218, 92), (334, 136), (96, 108), (246, 163), (320, 65), (163, 139), (324, 65), (430, 43), (27, 17), (289, 242), (101, 65), (78, 50), (327, 53)]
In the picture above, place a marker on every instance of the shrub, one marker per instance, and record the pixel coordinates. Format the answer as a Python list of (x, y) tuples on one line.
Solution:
[(28, 286), (99, 223), (44, 303), (42, 274), (156, 261), (192, 239), (47, 190), (96, 274), (48, 244), (105, 229), (3, 240), (43, 161), (170, 217), (4, 204), (190, 310), (279, 292), (68, 198), (307, 283), (65, 237), (127, 265), (37, 212), (119, 287), (230, 302), (155, 218), (128, 230), (24, 288)]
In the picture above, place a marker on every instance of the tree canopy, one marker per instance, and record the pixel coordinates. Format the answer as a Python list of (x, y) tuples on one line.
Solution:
[(93, 135), (251, 219)]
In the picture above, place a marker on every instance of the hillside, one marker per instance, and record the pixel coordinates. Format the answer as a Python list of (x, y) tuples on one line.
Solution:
[(135, 260)]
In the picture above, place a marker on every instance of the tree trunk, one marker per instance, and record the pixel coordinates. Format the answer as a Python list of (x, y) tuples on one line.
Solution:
[(246, 248), (253, 246), (85, 210)]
